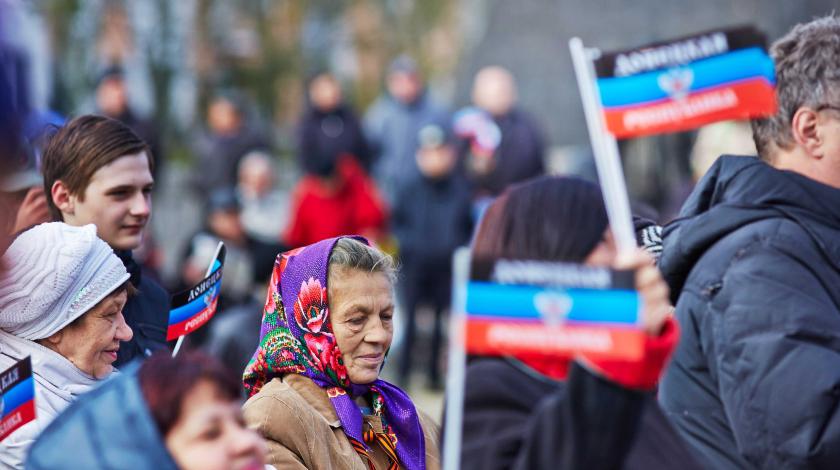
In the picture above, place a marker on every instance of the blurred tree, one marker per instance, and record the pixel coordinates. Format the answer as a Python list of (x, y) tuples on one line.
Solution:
[(263, 48)]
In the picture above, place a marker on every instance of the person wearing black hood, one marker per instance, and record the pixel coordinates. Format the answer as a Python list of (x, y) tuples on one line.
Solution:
[(753, 264), (97, 171), (329, 128)]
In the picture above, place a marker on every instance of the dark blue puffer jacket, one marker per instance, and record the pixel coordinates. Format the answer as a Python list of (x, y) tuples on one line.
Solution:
[(109, 428), (754, 260)]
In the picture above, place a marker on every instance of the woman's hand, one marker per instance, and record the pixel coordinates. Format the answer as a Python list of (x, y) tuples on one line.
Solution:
[(654, 292)]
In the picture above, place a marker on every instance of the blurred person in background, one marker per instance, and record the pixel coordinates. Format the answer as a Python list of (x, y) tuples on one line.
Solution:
[(112, 101), (97, 171), (23, 187), (61, 302), (720, 138), (393, 121), (540, 412), (182, 413), (234, 333), (223, 224), (329, 128), (229, 137), (341, 199), (316, 395), (27, 180), (520, 151), (431, 218), (264, 209), (14, 105)]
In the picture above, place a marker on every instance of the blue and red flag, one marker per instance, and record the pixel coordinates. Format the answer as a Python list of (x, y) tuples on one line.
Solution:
[(17, 397), (686, 83), (194, 307), (551, 309)]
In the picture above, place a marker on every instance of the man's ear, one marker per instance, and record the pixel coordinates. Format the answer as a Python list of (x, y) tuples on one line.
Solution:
[(805, 131), (62, 198)]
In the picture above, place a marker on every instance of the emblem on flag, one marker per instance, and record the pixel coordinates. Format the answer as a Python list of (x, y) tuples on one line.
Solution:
[(194, 307), (676, 82), (686, 83), (553, 307)]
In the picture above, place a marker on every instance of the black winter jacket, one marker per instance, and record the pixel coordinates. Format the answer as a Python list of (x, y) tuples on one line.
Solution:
[(147, 313), (519, 156), (431, 218), (754, 260), (517, 419), (325, 136)]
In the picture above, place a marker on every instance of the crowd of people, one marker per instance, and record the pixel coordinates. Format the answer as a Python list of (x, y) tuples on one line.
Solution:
[(740, 294)]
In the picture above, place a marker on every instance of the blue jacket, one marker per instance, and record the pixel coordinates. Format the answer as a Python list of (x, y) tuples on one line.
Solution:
[(754, 261), (108, 428), (391, 128)]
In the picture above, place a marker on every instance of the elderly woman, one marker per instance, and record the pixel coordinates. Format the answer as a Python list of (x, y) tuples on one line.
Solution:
[(61, 301), (314, 382)]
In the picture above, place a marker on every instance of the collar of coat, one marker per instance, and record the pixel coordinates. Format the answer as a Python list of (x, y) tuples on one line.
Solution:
[(317, 398)]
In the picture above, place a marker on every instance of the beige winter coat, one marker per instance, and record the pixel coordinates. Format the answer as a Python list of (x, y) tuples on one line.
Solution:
[(303, 431)]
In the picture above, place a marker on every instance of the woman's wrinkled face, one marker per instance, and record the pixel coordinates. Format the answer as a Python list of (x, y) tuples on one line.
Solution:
[(362, 319), (210, 434), (604, 253), (91, 343)]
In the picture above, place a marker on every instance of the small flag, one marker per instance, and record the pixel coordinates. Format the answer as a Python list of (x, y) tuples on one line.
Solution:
[(686, 83), (551, 309), (194, 307), (478, 126), (17, 397)]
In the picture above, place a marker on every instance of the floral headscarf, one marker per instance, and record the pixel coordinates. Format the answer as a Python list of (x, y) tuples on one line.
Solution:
[(301, 341)]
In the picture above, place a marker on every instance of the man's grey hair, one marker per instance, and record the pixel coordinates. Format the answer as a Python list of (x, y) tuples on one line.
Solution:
[(350, 253), (807, 74)]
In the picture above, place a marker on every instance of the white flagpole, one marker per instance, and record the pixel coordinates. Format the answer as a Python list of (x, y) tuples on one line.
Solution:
[(605, 149), (457, 363), (209, 271)]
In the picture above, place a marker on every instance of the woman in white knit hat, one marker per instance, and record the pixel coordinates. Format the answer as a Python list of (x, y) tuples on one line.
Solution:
[(61, 302)]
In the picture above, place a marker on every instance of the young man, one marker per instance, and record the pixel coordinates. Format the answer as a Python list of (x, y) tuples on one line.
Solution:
[(755, 261), (96, 170)]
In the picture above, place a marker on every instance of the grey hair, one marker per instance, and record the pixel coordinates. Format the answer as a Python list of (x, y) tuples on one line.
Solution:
[(350, 253), (258, 157), (807, 74)]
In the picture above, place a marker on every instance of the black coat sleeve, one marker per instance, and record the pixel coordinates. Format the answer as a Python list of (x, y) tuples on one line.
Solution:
[(590, 426), (516, 420)]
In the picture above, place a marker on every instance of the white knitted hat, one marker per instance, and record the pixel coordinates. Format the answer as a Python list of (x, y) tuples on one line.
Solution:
[(55, 274)]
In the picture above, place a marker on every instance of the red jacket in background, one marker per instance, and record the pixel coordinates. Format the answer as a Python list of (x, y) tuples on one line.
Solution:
[(320, 212)]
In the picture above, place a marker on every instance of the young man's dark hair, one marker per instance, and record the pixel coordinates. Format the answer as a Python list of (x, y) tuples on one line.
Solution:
[(84, 145), (97, 171), (753, 263)]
